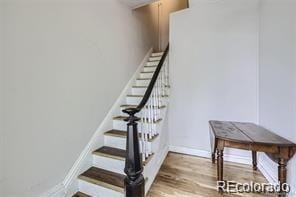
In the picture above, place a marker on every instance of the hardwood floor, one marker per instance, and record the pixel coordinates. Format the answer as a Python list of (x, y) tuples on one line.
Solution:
[(188, 176)]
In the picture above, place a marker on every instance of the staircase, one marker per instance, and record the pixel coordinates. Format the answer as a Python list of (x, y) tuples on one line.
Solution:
[(106, 176)]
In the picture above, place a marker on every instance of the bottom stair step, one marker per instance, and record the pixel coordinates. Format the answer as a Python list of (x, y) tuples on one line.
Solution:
[(80, 194), (104, 178)]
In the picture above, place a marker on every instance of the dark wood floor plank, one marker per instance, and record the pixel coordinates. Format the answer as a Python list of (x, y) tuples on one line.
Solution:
[(190, 176)]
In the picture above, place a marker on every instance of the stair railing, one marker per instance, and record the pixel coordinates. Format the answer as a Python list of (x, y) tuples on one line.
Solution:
[(138, 148)]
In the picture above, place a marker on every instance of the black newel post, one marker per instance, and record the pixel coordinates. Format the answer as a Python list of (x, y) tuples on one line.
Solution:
[(134, 182)]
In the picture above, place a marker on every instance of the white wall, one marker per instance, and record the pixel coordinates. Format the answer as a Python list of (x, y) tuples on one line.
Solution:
[(1, 94), (213, 62), (277, 71), (233, 60), (66, 63)]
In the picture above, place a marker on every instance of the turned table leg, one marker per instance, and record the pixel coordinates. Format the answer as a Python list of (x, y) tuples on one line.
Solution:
[(282, 175), (213, 157), (254, 157), (220, 165)]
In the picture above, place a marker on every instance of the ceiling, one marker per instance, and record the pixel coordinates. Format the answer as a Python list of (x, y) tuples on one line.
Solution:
[(137, 3)]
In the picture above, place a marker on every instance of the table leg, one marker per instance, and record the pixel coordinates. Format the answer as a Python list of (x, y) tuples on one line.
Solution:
[(254, 157), (282, 175), (213, 157), (220, 165)]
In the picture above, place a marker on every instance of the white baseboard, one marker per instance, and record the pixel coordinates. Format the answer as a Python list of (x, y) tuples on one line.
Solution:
[(207, 154), (69, 186), (189, 151)]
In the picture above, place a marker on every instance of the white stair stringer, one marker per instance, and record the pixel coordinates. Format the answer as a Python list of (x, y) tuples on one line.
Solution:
[(157, 146)]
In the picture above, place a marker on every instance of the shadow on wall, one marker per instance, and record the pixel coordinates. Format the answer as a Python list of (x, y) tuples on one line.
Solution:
[(159, 20)]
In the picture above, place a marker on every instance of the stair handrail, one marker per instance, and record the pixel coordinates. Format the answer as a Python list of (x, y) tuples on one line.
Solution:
[(134, 181), (150, 86), (153, 80)]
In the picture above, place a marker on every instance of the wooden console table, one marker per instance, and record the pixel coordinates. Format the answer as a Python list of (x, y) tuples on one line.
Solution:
[(249, 136)]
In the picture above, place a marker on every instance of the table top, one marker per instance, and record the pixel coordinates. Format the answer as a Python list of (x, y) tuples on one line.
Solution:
[(244, 132)]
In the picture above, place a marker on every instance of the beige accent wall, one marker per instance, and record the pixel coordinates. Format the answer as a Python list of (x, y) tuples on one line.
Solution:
[(160, 19), (66, 63)]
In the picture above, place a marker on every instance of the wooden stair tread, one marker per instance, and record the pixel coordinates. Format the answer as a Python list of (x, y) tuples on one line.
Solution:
[(111, 152), (122, 118), (116, 133), (158, 54), (147, 72), (80, 194), (123, 134), (140, 86), (168, 86), (134, 106), (116, 153), (104, 178), (135, 95)]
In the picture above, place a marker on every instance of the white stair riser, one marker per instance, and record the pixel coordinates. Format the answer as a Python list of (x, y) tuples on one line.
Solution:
[(130, 100), (149, 69), (96, 190), (155, 58), (142, 82), (155, 63), (146, 75), (109, 164), (133, 100), (157, 54), (117, 142), (122, 125), (138, 91)]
